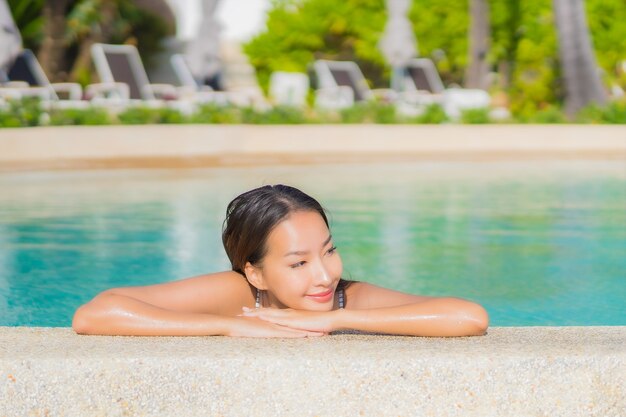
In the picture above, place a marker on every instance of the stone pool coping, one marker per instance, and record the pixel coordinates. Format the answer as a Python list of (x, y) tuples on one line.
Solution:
[(167, 146), (512, 371)]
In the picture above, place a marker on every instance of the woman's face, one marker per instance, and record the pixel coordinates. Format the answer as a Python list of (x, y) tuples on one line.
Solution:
[(302, 268)]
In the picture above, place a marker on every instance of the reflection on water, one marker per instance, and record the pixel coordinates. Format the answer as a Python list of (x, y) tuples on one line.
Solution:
[(538, 243)]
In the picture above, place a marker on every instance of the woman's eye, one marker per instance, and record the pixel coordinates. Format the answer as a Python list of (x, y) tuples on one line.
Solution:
[(332, 250), (298, 264)]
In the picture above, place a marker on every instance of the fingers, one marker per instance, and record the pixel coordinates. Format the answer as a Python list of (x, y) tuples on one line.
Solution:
[(271, 318), (255, 327), (268, 314), (288, 318)]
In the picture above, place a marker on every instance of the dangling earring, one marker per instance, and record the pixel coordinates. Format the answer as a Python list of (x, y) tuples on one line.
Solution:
[(257, 304)]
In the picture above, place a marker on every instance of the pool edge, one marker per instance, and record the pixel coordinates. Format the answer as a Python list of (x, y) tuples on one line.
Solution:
[(190, 146), (514, 371)]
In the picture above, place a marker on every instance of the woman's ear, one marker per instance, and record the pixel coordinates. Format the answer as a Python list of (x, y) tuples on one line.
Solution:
[(254, 275)]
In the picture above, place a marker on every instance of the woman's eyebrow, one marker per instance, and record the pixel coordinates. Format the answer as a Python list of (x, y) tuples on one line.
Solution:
[(304, 252)]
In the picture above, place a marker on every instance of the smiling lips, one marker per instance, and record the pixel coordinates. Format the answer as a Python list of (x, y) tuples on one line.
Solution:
[(322, 297)]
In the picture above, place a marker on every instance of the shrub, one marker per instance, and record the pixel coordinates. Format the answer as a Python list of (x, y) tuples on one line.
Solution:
[(214, 114), (383, 113), (276, 115), (323, 116), (22, 113), (433, 114), (87, 116), (475, 116), (355, 114), (613, 112), (548, 115), (369, 112), (149, 115)]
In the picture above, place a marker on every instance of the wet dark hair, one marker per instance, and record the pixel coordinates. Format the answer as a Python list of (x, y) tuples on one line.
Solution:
[(251, 216)]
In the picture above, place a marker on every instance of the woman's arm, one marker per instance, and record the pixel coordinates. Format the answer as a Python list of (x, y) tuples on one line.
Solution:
[(435, 317), (379, 310), (112, 314), (204, 305)]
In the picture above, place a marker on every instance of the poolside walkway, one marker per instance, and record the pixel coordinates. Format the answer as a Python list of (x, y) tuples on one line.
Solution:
[(167, 146), (524, 371)]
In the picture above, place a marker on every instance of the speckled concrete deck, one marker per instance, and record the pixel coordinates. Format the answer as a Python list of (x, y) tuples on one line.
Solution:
[(540, 371)]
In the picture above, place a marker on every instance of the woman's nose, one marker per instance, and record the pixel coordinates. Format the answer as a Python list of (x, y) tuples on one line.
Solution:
[(321, 275)]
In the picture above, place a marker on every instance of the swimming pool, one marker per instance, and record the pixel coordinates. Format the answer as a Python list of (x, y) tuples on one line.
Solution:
[(536, 242)]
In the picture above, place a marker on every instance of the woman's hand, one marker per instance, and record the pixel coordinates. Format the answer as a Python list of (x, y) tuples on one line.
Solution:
[(253, 327), (312, 321)]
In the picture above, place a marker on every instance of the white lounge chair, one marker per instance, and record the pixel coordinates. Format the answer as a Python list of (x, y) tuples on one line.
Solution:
[(124, 80), (27, 79), (422, 77), (190, 88), (341, 84)]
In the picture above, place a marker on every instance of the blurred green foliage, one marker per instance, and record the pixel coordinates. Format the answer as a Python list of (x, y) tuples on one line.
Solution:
[(299, 32), (143, 28), (148, 115), (29, 112), (369, 112), (22, 113), (214, 114), (87, 116), (211, 113), (613, 113), (524, 49), (29, 19), (433, 114), (607, 23), (276, 115), (441, 29), (475, 116), (84, 18), (523, 52), (547, 115)]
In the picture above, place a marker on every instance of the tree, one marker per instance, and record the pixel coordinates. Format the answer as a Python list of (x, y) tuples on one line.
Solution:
[(52, 52), (89, 22), (524, 49), (62, 31), (476, 74), (506, 21), (578, 64), (27, 15), (298, 32), (441, 29)]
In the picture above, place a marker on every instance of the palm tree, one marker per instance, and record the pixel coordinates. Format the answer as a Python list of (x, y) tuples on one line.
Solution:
[(479, 33), (52, 52), (90, 22), (578, 64)]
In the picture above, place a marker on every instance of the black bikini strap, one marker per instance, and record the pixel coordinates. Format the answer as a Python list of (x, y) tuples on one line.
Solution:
[(342, 297)]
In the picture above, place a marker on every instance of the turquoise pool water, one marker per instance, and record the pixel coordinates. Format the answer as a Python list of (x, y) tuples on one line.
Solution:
[(537, 243)]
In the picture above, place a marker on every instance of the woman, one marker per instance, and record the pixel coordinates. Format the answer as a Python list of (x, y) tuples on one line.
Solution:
[(285, 282)]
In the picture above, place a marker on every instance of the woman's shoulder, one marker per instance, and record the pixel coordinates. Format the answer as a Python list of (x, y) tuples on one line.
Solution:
[(226, 277), (218, 293), (363, 295), (225, 281), (229, 289)]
